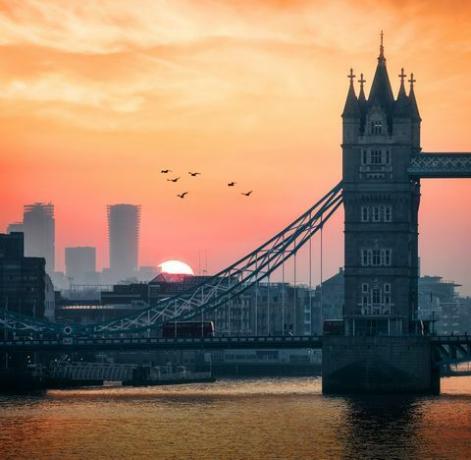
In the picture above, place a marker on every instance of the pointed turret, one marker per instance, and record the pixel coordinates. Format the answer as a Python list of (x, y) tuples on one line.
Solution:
[(414, 109), (362, 102), (361, 95), (351, 108), (381, 91), (402, 105)]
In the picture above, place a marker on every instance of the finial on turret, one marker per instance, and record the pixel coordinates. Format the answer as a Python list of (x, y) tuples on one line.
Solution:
[(412, 81), (381, 46), (402, 75), (362, 81), (351, 76)]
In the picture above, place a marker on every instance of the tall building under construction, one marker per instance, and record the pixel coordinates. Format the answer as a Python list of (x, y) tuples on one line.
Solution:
[(39, 232)]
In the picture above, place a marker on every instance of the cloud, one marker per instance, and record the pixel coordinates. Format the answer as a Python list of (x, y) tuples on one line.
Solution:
[(60, 88), (147, 63), (111, 26)]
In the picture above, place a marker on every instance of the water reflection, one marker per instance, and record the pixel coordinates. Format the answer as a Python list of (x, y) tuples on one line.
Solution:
[(235, 419), (383, 427)]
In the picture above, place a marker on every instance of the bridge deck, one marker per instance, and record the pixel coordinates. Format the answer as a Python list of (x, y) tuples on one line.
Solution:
[(207, 343), (129, 344)]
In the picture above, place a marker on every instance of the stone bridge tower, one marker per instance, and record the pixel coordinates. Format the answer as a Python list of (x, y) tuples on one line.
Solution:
[(380, 135)]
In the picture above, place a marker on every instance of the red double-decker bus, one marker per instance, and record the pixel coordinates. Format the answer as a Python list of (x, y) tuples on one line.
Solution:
[(188, 329)]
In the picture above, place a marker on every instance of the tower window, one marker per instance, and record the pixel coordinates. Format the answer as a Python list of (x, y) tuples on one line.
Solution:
[(386, 257), (376, 257), (376, 157), (387, 294), (375, 296), (376, 127), (376, 214), (377, 300), (380, 213)]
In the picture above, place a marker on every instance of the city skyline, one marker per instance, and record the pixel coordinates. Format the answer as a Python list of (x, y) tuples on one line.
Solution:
[(286, 143)]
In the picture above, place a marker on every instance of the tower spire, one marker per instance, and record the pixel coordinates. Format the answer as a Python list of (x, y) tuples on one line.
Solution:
[(381, 57), (381, 91)]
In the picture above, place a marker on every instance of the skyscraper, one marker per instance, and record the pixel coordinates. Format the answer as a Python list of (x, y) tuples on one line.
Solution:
[(39, 230), (80, 264), (123, 235)]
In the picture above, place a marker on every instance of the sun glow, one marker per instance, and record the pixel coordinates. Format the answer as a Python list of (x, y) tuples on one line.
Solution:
[(176, 267)]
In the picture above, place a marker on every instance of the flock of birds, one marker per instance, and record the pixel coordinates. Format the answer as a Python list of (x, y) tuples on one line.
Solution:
[(195, 174)]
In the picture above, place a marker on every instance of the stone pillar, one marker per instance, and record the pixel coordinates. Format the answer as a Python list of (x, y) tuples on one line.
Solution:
[(378, 365)]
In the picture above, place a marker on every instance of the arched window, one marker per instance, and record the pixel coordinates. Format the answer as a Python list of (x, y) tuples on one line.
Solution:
[(376, 127)]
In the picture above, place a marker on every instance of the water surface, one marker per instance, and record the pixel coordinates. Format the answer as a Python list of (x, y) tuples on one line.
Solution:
[(235, 419)]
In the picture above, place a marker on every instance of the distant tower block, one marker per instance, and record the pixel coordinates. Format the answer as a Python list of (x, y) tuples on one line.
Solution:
[(39, 231), (380, 135), (80, 264), (15, 227), (123, 235)]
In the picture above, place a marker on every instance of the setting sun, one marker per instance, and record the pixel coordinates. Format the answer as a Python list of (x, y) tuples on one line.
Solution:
[(176, 267)]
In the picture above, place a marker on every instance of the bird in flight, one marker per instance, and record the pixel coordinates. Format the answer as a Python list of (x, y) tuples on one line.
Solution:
[(182, 195), (194, 174), (173, 180), (231, 184), (165, 171), (248, 193)]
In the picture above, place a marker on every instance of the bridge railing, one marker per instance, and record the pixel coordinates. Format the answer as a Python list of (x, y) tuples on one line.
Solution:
[(437, 165)]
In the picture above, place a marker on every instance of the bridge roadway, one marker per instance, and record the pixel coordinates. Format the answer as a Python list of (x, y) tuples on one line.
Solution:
[(69, 344), (452, 348)]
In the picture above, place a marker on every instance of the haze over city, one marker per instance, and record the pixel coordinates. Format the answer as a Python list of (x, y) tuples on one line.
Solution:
[(97, 99)]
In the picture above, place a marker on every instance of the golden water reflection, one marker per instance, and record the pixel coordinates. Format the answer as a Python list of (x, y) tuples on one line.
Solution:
[(235, 419)]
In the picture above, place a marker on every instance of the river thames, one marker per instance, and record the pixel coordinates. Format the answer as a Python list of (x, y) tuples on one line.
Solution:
[(236, 419)]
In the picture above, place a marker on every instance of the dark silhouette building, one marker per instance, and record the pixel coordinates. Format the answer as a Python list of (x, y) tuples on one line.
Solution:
[(123, 235), (24, 285), (136, 294), (380, 135)]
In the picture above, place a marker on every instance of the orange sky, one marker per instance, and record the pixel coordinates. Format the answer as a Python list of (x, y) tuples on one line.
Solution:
[(97, 97)]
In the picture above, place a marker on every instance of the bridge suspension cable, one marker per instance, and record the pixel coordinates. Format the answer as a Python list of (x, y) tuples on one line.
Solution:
[(218, 289)]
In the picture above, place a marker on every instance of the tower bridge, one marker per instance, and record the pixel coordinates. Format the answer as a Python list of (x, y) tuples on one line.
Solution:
[(382, 348)]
